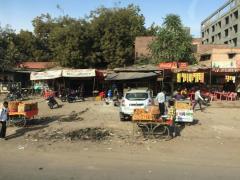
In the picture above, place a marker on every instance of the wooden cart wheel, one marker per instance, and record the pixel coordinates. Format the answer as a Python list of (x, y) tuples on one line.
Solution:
[(145, 129), (162, 132), (20, 122)]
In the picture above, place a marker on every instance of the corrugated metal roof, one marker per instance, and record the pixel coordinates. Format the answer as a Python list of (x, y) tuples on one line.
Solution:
[(129, 76)]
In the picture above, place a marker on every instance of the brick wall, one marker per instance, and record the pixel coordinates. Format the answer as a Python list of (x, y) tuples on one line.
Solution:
[(141, 46)]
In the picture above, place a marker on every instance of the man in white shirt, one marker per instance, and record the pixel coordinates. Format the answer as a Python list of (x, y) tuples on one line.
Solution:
[(161, 101), (198, 99), (3, 120)]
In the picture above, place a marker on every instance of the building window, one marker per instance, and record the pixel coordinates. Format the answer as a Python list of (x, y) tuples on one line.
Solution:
[(207, 40), (235, 42), (207, 31), (213, 28), (213, 39), (235, 14), (220, 24), (235, 27), (219, 36), (231, 55), (226, 42), (205, 57), (202, 34), (226, 33), (227, 20)]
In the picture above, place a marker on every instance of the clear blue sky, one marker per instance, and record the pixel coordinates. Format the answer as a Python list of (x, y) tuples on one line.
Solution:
[(20, 13)]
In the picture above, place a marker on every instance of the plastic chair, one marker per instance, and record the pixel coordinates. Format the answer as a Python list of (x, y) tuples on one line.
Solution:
[(232, 97), (213, 97)]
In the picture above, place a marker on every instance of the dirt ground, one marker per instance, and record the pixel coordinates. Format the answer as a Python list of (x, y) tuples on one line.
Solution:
[(207, 149)]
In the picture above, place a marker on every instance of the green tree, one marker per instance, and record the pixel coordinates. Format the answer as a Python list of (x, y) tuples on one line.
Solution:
[(9, 53), (71, 43), (114, 31), (43, 26), (172, 42)]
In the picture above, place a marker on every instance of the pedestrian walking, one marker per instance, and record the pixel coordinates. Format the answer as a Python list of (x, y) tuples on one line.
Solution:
[(3, 120), (198, 99)]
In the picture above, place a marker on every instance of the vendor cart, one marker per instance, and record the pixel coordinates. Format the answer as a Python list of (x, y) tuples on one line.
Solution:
[(184, 111), (20, 118), (153, 126)]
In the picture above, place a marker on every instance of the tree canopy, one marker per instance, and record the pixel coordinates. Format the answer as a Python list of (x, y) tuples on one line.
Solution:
[(173, 42), (103, 39)]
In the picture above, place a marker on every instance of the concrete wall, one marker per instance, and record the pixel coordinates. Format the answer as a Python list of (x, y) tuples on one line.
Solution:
[(222, 55), (214, 29)]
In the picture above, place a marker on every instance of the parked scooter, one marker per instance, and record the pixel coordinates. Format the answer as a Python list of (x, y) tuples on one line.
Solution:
[(63, 96), (74, 96), (14, 96), (51, 101)]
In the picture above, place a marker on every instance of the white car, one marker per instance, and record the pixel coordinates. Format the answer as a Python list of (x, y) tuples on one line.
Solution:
[(134, 99)]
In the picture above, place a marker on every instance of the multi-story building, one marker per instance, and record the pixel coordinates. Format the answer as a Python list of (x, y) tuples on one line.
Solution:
[(222, 27)]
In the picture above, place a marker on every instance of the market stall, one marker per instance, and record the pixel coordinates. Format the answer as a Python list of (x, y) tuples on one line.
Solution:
[(80, 79), (148, 76), (192, 76), (45, 80)]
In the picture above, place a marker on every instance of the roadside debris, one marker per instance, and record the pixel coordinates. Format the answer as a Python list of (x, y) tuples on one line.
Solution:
[(85, 134), (94, 134)]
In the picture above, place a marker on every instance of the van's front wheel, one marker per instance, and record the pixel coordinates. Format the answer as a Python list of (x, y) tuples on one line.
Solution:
[(122, 117)]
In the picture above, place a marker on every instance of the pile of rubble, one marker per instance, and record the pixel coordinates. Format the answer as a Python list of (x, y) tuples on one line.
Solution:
[(93, 134), (86, 134)]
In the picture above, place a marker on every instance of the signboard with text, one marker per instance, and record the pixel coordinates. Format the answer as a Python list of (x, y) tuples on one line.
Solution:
[(45, 75), (173, 65)]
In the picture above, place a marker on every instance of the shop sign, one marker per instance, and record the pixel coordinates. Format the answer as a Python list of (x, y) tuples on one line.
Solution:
[(45, 75), (79, 73), (224, 64), (226, 70), (184, 115), (190, 77), (173, 65)]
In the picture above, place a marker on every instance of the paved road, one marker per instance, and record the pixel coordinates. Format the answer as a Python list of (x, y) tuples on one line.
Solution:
[(88, 165)]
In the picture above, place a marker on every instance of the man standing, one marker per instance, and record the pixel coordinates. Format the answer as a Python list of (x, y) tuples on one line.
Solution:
[(3, 120), (161, 100), (198, 99)]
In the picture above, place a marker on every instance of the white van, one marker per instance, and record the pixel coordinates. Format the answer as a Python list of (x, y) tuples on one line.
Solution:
[(134, 99)]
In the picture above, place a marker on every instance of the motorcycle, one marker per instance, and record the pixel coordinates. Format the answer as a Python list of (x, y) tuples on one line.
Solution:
[(74, 96), (51, 101), (14, 96), (206, 100), (63, 96)]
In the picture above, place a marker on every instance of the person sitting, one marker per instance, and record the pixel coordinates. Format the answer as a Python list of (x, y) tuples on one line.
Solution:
[(178, 96), (184, 93)]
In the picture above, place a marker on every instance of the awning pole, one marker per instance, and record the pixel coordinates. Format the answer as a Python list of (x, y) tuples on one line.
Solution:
[(210, 78), (94, 85)]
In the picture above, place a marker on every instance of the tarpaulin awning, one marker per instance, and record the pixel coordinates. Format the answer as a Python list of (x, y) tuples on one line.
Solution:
[(78, 73), (45, 75), (192, 68), (129, 76)]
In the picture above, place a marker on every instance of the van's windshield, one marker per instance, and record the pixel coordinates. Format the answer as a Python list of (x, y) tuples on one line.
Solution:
[(136, 96)]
